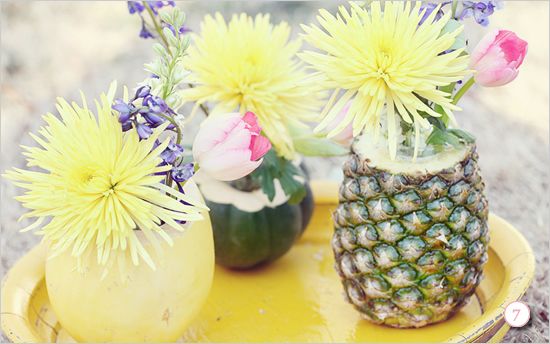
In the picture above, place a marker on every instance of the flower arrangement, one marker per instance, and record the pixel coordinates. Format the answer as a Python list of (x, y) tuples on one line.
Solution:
[(105, 176), (411, 229), (259, 73), (413, 59)]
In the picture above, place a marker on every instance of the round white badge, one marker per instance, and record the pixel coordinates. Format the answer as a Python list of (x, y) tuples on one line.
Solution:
[(517, 314)]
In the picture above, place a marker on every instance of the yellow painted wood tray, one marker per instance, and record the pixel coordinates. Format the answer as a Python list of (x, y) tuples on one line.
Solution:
[(296, 299)]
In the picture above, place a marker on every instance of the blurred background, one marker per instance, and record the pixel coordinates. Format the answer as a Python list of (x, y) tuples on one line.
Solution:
[(56, 48)]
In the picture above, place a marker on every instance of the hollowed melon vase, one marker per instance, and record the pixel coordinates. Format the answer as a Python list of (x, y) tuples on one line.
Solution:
[(249, 230), (137, 303)]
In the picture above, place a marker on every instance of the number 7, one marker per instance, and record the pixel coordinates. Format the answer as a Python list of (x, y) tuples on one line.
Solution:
[(517, 311)]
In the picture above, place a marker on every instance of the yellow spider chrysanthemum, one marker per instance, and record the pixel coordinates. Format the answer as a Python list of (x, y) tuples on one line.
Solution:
[(99, 184), (386, 62), (249, 65)]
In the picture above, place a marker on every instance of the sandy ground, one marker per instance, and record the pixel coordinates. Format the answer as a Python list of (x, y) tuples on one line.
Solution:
[(56, 48)]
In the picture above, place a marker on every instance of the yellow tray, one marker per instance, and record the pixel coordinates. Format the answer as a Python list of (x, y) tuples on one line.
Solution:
[(296, 299)]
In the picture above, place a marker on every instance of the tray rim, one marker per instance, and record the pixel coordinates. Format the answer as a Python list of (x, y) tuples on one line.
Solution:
[(17, 287)]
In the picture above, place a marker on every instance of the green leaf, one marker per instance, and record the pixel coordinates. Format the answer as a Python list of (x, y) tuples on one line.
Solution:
[(460, 40), (310, 144), (463, 135), (444, 119), (440, 138), (293, 188), (313, 146), (289, 176), (437, 123), (266, 181), (454, 137)]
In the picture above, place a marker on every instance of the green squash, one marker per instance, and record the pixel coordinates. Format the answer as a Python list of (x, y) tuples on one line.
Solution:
[(245, 238)]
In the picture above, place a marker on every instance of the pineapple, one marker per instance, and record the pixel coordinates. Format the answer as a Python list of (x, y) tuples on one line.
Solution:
[(411, 230), (410, 238)]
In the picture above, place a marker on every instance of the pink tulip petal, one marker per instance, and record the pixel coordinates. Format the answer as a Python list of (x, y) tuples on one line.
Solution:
[(224, 160), (497, 57), (347, 134), (237, 140), (514, 48), (233, 172), (259, 145), (214, 130), (251, 119), (227, 145), (496, 78), (483, 46), (240, 171)]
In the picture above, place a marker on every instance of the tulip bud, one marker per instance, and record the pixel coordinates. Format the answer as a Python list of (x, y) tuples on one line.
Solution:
[(346, 135), (229, 146), (497, 57)]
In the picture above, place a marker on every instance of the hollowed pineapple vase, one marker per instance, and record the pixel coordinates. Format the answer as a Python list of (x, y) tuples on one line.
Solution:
[(410, 238)]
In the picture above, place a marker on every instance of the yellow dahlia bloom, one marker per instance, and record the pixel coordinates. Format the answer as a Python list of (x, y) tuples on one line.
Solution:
[(96, 185), (249, 65), (385, 63)]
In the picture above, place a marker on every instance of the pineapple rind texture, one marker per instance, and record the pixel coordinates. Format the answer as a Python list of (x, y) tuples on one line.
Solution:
[(410, 249)]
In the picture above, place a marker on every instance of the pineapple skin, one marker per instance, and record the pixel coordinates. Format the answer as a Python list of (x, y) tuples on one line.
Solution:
[(410, 249)]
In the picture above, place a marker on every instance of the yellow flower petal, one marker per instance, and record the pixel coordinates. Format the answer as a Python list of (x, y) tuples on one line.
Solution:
[(97, 184), (386, 62), (248, 64)]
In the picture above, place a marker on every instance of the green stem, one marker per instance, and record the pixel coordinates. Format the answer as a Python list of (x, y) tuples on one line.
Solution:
[(158, 29), (463, 90), (455, 4), (166, 87), (439, 109), (171, 120), (178, 140), (202, 106)]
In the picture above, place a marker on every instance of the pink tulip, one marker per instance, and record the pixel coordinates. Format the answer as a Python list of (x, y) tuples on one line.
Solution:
[(344, 137), (497, 57), (229, 146)]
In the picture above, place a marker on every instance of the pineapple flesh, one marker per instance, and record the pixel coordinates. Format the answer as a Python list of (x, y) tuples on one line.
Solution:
[(410, 238)]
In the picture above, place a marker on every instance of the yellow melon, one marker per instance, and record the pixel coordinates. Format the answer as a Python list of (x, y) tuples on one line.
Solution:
[(141, 305)]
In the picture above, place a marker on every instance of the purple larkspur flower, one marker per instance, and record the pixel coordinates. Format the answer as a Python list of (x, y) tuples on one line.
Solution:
[(479, 10), (125, 110), (142, 92), (183, 172), (155, 104), (150, 113), (153, 119), (155, 144), (143, 130), (135, 7), (182, 30), (138, 7), (172, 152), (157, 5), (127, 125), (429, 8), (144, 32)]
